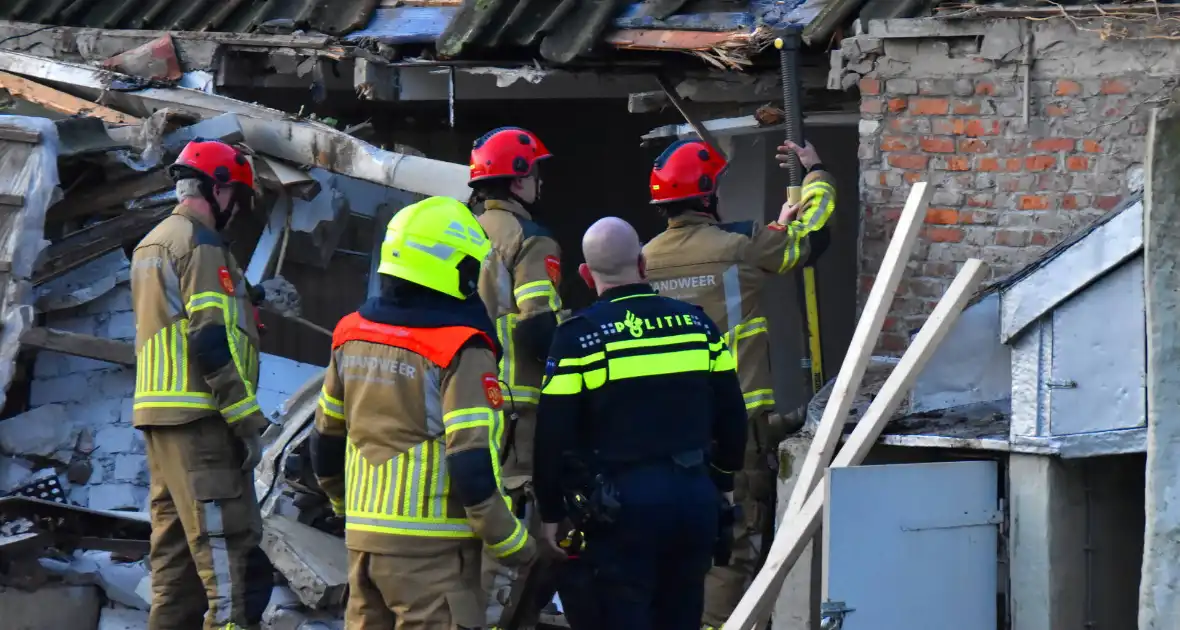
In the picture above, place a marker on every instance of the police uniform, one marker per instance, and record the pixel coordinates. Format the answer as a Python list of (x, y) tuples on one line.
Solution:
[(519, 284), (723, 267), (404, 441), (641, 389), (196, 378)]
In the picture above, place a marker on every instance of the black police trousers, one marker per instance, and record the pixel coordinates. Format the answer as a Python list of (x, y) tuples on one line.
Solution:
[(649, 566)]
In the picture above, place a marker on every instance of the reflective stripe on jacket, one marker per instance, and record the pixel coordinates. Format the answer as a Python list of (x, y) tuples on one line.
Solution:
[(519, 280), (723, 268), (406, 399), (196, 340)]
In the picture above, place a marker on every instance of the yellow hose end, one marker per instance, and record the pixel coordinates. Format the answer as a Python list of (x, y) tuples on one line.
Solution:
[(778, 43)]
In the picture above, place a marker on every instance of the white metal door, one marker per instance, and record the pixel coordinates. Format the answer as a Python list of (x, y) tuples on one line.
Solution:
[(912, 546)]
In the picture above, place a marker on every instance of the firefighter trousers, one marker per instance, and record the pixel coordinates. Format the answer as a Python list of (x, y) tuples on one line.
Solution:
[(436, 592), (207, 569), (505, 586), (754, 491)]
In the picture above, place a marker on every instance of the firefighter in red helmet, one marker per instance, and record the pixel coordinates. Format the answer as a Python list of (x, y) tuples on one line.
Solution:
[(723, 267), (519, 284), (195, 400)]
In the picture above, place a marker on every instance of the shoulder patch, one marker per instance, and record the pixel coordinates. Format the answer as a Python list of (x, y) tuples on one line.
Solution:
[(491, 390), (226, 279), (744, 228), (553, 268)]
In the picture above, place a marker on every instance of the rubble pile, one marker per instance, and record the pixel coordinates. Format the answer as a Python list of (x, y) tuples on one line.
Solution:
[(76, 194)]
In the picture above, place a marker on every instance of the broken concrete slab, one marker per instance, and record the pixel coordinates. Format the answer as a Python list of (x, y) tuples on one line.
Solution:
[(14, 471), (153, 60), (120, 581), (50, 607), (314, 563), (84, 284), (117, 618), (45, 431)]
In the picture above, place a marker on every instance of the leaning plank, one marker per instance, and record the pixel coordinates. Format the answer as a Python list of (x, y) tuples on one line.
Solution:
[(860, 350), (59, 101), (79, 345), (790, 542), (102, 196)]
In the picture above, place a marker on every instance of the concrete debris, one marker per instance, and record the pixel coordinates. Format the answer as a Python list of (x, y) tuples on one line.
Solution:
[(121, 581), (16, 527), (46, 431), (314, 563), (122, 619), (282, 297), (73, 607), (286, 613), (85, 283), (153, 60), (13, 472)]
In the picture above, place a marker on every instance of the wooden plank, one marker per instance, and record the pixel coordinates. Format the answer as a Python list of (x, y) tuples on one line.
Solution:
[(59, 101), (16, 134), (860, 349), (79, 345), (1159, 591), (792, 539), (83, 246), (20, 544), (82, 202), (15, 201), (661, 39)]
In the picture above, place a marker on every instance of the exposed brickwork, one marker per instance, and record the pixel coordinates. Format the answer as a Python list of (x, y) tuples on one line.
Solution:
[(1005, 189)]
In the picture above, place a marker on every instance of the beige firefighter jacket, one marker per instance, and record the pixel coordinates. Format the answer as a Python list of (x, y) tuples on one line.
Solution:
[(722, 267), (196, 341), (519, 280), (403, 414)]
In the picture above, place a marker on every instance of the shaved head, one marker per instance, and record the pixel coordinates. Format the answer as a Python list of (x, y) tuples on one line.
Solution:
[(612, 251)]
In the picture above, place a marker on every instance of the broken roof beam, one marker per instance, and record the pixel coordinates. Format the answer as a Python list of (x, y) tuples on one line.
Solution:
[(61, 102), (341, 153), (743, 125), (78, 345), (85, 245)]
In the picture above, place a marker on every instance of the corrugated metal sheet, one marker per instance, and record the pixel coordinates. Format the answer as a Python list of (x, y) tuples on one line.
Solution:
[(334, 17)]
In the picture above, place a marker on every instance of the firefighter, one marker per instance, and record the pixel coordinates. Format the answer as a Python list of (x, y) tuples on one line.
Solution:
[(196, 352), (723, 267), (640, 423), (404, 440), (519, 284)]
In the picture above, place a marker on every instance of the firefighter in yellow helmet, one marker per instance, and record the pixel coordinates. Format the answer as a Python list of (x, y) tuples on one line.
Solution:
[(404, 439), (196, 352)]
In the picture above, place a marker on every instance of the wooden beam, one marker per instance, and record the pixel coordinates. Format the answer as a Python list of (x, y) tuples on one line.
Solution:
[(790, 541), (105, 195), (79, 345), (701, 130), (16, 134), (1159, 584), (860, 350), (81, 247), (59, 101)]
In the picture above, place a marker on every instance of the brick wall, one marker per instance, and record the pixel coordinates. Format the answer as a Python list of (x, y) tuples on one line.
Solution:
[(950, 111)]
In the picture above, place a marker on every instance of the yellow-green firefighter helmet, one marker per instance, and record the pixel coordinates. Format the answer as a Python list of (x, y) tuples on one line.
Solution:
[(427, 243)]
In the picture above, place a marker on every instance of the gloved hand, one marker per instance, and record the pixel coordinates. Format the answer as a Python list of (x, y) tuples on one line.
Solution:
[(251, 437)]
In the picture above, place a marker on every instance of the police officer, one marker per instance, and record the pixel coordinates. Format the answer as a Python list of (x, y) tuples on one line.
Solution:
[(723, 267), (404, 443), (640, 408), (196, 349), (519, 286)]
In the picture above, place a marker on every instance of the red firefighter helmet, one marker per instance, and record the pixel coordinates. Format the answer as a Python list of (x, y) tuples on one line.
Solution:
[(215, 160), (687, 169), (506, 152)]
